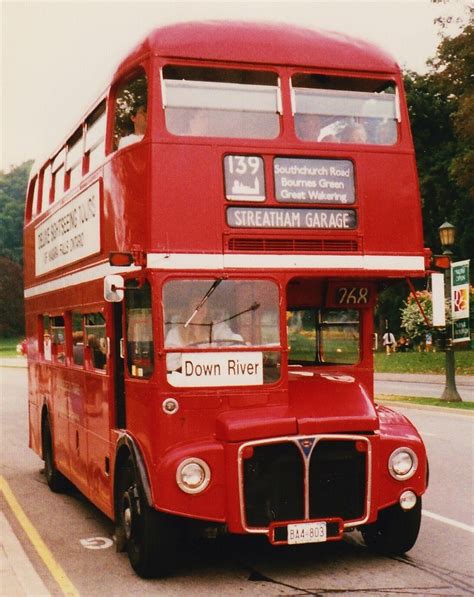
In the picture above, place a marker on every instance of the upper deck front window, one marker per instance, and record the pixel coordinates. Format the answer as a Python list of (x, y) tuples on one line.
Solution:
[(330, 109), (216, 102)]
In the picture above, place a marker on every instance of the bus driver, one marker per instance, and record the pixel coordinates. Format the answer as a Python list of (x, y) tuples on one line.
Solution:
[(200, 330)]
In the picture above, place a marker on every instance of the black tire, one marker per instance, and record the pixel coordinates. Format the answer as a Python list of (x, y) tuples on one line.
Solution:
[(56, 481), (151, 537), (395, 531)]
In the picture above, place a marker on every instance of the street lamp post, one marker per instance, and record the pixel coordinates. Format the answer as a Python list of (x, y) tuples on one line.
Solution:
[(447, 233)]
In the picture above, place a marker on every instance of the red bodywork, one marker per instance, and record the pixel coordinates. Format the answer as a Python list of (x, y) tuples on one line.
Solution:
[(166, 196)]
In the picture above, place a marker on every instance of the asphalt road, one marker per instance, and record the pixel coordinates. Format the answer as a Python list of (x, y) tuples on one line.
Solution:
[(441, 563)]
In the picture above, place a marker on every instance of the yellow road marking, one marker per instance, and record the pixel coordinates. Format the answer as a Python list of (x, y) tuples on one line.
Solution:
[(56, 571)]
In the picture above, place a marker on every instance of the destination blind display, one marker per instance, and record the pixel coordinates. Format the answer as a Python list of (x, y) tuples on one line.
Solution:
[(302, 180), (315, 219)]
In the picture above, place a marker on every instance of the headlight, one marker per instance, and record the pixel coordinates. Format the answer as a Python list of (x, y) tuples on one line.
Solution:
[(402, 464), (193, 475)]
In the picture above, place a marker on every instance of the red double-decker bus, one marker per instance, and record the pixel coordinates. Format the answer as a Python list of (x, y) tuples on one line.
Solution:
[(202, 257)]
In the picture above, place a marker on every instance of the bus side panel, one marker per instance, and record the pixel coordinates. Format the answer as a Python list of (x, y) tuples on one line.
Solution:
[(184, 205), (125, 205), (59, 416), (34, 407), (98, 444), (77, 428), (390, 211)]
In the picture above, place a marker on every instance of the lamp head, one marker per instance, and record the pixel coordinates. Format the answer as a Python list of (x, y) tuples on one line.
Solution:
[(447, 234)]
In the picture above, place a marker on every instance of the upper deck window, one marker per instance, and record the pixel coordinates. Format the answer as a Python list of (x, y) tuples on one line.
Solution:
[(131, 111), (95, 137), (215, 102), (75, 148), (331, 109)]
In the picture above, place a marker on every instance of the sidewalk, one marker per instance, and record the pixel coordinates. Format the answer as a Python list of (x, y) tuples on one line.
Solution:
[(19, 361), (18, 577)]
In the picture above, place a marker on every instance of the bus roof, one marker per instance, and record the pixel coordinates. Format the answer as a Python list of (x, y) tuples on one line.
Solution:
[(265, 43)]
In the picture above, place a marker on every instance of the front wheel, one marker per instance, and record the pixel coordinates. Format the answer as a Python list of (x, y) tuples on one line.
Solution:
[(151, 537), (396, 530)]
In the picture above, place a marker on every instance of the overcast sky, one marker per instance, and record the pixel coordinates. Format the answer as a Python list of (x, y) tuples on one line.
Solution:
[(58, 56)]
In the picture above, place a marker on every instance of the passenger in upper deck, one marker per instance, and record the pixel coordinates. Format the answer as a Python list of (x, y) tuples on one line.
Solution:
[(354, 133), (138, 117), (308, 126)]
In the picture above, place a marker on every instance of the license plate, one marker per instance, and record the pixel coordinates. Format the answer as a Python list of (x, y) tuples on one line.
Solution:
[(307, 532)]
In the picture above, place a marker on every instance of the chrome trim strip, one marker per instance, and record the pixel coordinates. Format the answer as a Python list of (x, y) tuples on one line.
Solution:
[(306, 459)]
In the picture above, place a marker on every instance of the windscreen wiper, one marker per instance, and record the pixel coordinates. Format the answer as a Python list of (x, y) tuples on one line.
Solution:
[(203, 300), (253, 307)]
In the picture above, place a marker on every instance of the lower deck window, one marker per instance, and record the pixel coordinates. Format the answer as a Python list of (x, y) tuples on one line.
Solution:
[(140, 352), (323, 336), (58, 334), (96, 339)]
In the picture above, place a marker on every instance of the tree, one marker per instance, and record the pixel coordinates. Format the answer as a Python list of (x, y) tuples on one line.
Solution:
[(12, 201), (413, 321), (441, 104), (12, 321)]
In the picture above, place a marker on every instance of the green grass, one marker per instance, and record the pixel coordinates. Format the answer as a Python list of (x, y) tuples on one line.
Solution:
[(8, 346), (426, 401), (423, 362)]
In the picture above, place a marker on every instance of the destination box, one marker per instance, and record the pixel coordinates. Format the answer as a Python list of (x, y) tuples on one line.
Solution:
[(295, 218), (308, 180)]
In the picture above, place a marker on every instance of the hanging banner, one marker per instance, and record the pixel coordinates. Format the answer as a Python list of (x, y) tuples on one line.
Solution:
[(460, 300)]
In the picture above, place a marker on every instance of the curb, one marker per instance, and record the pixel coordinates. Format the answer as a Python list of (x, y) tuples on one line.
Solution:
[(467, 380)]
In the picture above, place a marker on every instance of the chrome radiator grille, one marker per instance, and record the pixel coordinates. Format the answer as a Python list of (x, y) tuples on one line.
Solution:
[(304, 478)]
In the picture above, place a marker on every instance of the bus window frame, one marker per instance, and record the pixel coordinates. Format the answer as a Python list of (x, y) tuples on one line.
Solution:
[(281, 349), (73, 344), (97, 114), (275, 70), (67, 338), (132, 284), (394, 79), (33, 199), (111, 140), (89, 359), (320, 326), (45, 172), (71, 143)]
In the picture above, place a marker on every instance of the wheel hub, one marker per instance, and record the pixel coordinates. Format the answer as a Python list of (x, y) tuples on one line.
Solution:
[(127, 515)]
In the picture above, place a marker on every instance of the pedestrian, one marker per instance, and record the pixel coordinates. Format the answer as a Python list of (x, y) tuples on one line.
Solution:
[(388, 340)]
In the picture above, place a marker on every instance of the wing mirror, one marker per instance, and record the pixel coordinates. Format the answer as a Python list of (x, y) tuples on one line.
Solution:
[(114, 287)]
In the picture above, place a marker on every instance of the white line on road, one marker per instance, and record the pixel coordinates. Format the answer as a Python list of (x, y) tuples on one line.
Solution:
[(453, 523)]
